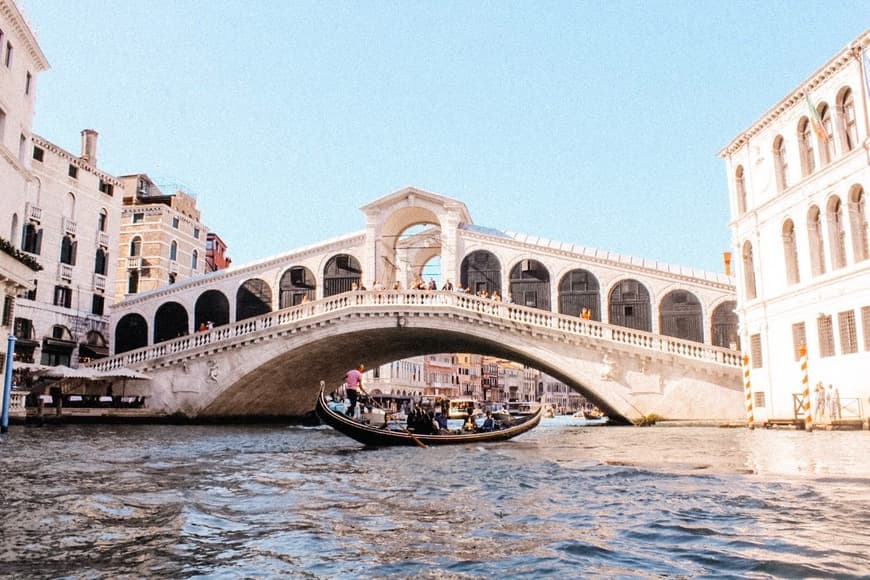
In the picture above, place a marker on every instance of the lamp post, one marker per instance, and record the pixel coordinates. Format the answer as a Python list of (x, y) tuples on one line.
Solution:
[(7, 384)]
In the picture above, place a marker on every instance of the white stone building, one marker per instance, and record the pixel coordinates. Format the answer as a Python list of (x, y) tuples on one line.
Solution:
[(798, 192)]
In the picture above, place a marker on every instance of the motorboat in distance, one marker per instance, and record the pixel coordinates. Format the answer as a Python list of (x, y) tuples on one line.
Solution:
[(391, 433)]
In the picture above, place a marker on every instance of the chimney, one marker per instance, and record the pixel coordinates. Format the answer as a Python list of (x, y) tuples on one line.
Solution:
[(726, 259), (89, 146)]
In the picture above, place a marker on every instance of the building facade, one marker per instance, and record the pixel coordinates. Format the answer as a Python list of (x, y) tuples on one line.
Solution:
[(216, 253), (798, 182), (162, 240)]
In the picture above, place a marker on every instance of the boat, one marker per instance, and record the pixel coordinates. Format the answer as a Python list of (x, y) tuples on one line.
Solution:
[(391, 433), (578, 419)]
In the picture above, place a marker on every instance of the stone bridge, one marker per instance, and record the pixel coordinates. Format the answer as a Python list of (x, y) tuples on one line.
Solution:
[(271, 365)]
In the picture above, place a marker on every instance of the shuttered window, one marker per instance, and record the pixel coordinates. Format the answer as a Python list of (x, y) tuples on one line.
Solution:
[(755, 351), (848, 332), (799, 337), (826, 336)]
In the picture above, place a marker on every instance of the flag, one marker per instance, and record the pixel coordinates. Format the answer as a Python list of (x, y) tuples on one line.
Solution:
[(818, 127), (865, 58)]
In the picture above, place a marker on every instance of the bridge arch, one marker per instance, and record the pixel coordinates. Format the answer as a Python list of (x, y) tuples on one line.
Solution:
[(530, 284), (629, 305), (681, 316), (481, 270), (297, 284), (253, 298), (211, 306), (131, 333), (723, 325), (170, 321), (340, 273), (579, 289)]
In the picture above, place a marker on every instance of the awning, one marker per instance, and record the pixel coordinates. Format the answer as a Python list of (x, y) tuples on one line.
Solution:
[(93, 351), (57, 345)]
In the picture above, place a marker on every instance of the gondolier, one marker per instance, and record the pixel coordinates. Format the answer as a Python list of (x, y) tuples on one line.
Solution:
[(353, 384)]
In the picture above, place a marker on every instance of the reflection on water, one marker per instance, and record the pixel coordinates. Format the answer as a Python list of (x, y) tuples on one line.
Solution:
[(178, 501)]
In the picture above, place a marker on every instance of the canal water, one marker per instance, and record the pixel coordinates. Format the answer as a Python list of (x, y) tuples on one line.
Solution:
[(263, 501)]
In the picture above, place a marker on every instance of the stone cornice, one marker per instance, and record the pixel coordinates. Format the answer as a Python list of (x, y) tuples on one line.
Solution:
[(252, 268), (846, 56), (32, 46), (77, 161), (628, 265)]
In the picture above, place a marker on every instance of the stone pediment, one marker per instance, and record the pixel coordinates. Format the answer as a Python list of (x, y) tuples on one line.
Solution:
[(410, 197)]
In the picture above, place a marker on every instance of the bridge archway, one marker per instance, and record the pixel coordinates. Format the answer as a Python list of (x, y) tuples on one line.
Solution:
[(579, 289), (481, 270), (170, 321), (418, 255), (680, 316), (211, 306), (629, 305), (253, 298), (131, 333), (340, 273), (724, 325), (530, 284), (297, 284)]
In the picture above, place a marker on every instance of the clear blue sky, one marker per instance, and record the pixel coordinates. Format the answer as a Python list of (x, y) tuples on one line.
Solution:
[(595, 123)]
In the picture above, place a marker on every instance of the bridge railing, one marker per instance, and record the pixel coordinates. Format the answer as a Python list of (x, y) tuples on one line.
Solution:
[(420, 300)]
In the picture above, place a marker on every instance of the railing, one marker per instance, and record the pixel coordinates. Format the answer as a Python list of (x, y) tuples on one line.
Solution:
[(103, 239), (134, 263), (33, 212), (99, 282), (64, 272), (420, 300), (69, 226)]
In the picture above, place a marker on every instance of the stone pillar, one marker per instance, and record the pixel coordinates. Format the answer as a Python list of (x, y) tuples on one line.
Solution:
[(450, 261), (372, 249)]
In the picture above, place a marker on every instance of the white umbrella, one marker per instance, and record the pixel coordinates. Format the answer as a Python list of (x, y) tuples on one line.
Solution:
[(123, 373)]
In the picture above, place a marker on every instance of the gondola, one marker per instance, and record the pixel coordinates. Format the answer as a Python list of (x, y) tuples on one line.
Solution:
[(378, 436)]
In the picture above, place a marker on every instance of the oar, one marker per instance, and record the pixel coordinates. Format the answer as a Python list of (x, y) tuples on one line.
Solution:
[(417, 441)]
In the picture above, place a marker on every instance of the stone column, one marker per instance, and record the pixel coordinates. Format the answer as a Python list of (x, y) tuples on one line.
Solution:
[(450, 261)]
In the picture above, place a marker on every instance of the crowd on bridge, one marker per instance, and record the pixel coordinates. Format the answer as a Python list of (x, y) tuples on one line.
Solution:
[(431, 285)]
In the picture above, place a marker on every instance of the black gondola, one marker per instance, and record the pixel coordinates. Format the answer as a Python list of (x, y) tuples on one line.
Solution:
[(378, 436)]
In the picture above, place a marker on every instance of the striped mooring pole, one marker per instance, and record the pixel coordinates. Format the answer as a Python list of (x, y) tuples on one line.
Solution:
[(805, 390), (747, 388)]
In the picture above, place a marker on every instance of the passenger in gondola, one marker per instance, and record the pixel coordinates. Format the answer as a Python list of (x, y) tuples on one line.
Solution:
[(488, 423), (469, 425), (441, 421)]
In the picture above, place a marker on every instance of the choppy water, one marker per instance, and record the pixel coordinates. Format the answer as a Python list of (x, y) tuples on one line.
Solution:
[(263, 501)]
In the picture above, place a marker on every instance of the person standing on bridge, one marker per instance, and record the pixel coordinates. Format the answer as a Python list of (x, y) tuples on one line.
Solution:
[(353, 384)]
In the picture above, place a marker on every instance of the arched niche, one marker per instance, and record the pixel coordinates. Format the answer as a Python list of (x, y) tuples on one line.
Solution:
[(481, 270), (579, 289), (340, 273), (297, 284), (131, 333), (629, 305), (170, 321), (211, 306), (680, 316), (253, 298), (530, 284), (723, 324)]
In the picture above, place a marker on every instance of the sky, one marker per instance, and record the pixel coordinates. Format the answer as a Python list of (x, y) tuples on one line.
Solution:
[(593, 123)]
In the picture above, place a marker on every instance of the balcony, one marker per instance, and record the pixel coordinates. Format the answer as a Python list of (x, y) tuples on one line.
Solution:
[(99, 282), (103, 239), (69, 226), (134, 263), (173, 266), (65, 272), (33, 212)]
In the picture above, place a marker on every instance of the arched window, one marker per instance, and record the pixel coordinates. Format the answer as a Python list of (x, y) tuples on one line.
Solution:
[(340, 273), (212, 306), (132, 281), (68, 251), (740, 184), (817, 245), (136, 247), (13, 232), (131, 333), (789, 247), (173, 250), (253, 298), (858, 223), (481, 270), (629, 305), (101, 261), (31, 239), (170, 321), (194, 258), (780, 160), (805, 138), (836, 233), (103, 220), (826, 147), (297, 284), (579, 289), (724, 323), (69, 206), (680, 316), (848, 121), (749, 272), (530, 284)]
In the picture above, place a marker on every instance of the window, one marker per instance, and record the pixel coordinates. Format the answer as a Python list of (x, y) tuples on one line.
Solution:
[(98, 305), (836, 233), (858, 222), (826, 335), (865, 326), (780, 160), (8, 54), (38, 153), (133, 282), (73, 171), (107, 187), (749, 272), (805, 135), (22, 148), (755, 351), (138, 217), (193, 260), (175, 222), (2, 124), (850, 125), (8, 305), (817, 246), (789, 246), (826, 147), (196, 233), (103, 220), (101, 261), (31, 294), (173, 250), (68, 251), (62, 296), (31, 239), (760, 401), (135, 247), (798, 338), (848, 332), (27, 80)]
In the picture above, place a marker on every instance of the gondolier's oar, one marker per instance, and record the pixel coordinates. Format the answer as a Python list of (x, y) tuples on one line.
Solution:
[(417, 441)]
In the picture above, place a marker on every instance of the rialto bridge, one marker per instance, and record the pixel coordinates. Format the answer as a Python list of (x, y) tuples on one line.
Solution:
[(659, 339)]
